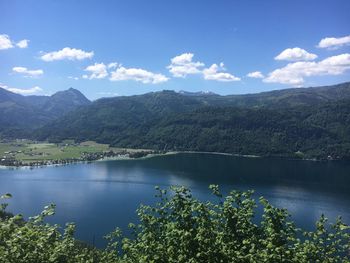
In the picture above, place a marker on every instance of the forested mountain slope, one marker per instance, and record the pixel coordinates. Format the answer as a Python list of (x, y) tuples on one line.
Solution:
[(170, 121), (21, 114), (281, 98)]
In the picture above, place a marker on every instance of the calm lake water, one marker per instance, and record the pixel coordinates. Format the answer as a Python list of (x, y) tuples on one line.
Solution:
[(102, 195)]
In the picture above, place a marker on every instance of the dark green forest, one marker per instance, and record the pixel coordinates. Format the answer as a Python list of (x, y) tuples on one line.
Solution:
[(311, 132), (308, 123), (168, 121)]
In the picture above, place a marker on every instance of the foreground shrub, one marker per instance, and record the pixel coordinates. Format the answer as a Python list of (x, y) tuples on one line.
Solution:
[(180, 228), (35, 241)]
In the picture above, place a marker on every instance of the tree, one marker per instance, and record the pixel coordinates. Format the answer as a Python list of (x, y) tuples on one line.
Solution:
[(180, 228)]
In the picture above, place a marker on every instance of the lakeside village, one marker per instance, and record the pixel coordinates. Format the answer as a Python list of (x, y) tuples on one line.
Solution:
[(34, 158)]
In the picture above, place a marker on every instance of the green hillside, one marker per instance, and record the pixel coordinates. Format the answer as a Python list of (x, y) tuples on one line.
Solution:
[(19, 115), (313, 124)]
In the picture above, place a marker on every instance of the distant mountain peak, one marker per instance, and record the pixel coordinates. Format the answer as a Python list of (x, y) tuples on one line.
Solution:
[(70, 90), (74, 90)]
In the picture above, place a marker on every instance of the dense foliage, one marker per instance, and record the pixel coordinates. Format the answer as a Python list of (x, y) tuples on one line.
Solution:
[(298, 123), (318, 131), (180, 228), (306, 132), (35, 241)]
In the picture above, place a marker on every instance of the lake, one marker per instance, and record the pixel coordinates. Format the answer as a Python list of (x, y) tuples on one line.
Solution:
[(102, 195)]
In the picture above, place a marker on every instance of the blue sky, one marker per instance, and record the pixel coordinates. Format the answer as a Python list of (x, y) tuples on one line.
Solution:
[(106, 48)]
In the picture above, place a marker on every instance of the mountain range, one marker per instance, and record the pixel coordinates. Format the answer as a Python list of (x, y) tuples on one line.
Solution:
[(21, 114), (300, 122)]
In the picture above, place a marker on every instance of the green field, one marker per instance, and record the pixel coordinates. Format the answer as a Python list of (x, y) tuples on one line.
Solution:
[(28, 151)]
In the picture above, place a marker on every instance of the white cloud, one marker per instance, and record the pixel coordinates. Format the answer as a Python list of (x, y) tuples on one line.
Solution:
[(67, 53), (295, 54), (112, 65), (27, 72), (255, 74), (98, 71), (182, 65), (5, 42), (137, 74), (22, 91), (75, 78), (212, 73), (118, 73), (334, 43), (294, 73), (26, 91), (23, 43)]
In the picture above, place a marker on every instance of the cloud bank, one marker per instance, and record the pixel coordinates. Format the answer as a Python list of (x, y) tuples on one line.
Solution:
[(6, 42), (30, 91), (27, 72), (295, 73), (295, 54), (98, 71), (255, 75), (137, 74), (333, 42), (67, 53), (212, 73), (182, 65), (23, 43)]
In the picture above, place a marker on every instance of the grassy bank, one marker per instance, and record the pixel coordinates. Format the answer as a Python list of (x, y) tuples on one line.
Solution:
[(27, 152)]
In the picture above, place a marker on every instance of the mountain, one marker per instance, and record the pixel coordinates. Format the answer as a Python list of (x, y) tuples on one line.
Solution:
[(315, 122), (198, 93), (321, 131), (64, 101), (282, 98), (307, 122), (119, 115), (21, 114)]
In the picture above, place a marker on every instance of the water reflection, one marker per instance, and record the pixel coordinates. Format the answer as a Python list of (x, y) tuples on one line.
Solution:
[(103, 195)]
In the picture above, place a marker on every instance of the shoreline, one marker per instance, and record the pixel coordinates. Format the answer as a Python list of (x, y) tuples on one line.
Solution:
[(227, 154), (123, 158), (148, 156)]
